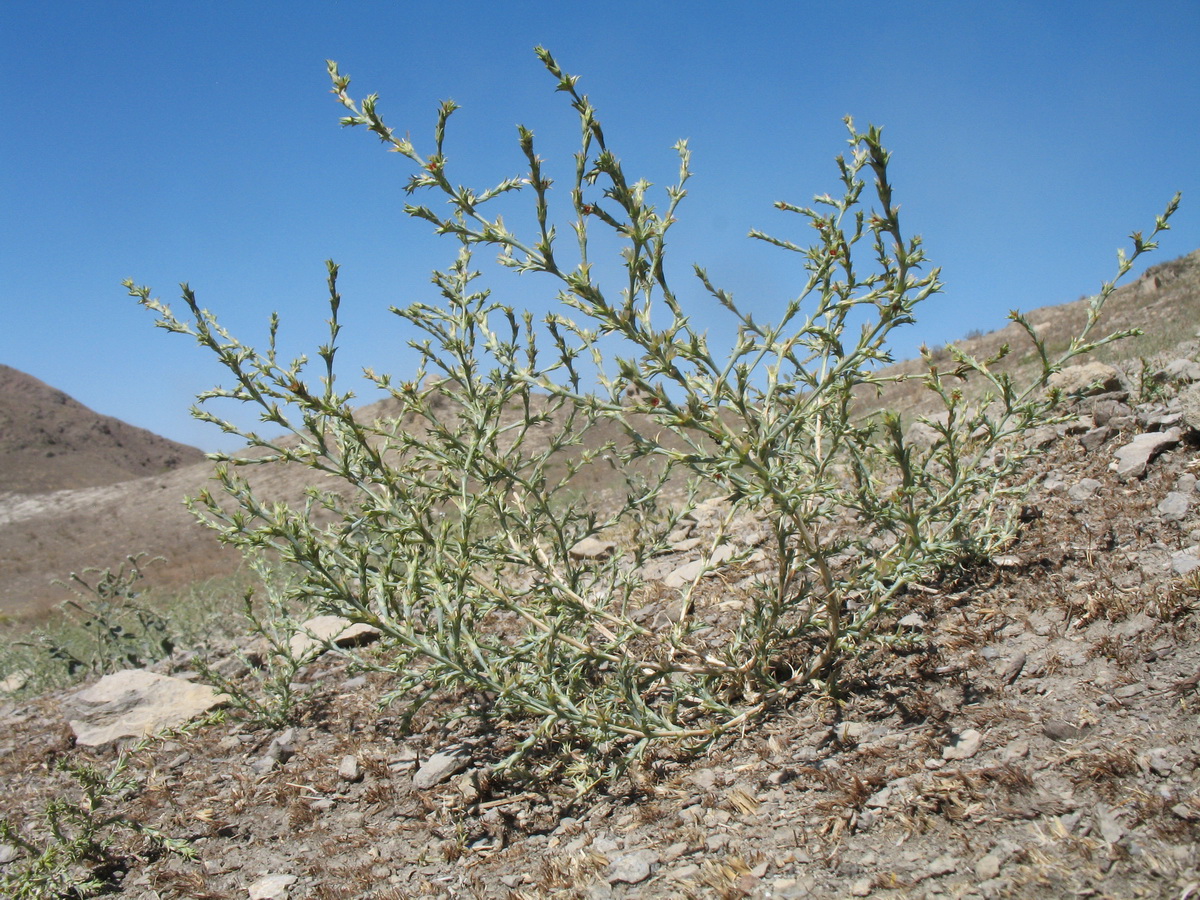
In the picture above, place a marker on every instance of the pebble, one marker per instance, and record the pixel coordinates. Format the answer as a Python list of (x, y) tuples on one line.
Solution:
[(988, 867), (965, 745), (1133, 459), (631, 868), (1085, 489), (349, 770), (1156, 761), (1106, 821), (1012, 670), (592, 548), (1095, 438), (861, 887), (271, 887), (441, 766), (1058, 730), (1174, 506)]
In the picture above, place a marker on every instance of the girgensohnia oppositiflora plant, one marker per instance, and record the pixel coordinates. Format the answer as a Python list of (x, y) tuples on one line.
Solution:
[(450, 523)]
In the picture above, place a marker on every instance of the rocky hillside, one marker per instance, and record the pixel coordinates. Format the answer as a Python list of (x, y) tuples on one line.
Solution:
[(50, 442), (1029, 733)]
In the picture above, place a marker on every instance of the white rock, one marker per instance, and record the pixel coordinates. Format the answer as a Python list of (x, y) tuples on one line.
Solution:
[(1087, 379), (966, 745), (317, 632), (348, 770), (1084, 490), (687, 573), (14, 681), (592, 548), (441, 766), (988, 867), (136, 703), (271, 887)]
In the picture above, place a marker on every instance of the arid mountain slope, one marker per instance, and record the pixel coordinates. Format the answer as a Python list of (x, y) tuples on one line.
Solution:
[(50, 442)]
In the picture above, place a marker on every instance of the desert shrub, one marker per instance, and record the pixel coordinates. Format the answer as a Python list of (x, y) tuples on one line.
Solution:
[(266, 690), (67, 850), (105, 626), (453, 525)]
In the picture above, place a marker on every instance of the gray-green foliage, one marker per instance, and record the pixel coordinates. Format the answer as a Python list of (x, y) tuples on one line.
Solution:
[(105, 627), (68, 850), (450, 525), (268, 693)]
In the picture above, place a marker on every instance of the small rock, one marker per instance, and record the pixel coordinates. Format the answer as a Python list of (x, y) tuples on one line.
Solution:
[(1156, 761), (441, 766), (631, 868), (271, 887), (1132, 459), (943, 865), (988, 867), (682, 533), (1086, 380), (684, 873), (861, 887), (688, 572), (965, 745), (283, 745), (1174, 506), (1094, 438), (1058, 730), (349, 770), (14, 681), (1104, 411), (1181, 371), (714, 843), (849, 732), (1041, 438), (8, 853), (1012, 670), (1106, 821), (316, 633), (592, 548), (1184, 563), (913, 620), (1084, 490)]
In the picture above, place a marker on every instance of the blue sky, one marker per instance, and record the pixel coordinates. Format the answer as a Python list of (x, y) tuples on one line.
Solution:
[(187, 141)]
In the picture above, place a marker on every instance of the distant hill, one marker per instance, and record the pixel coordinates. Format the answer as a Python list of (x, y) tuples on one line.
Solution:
[(51, 442)]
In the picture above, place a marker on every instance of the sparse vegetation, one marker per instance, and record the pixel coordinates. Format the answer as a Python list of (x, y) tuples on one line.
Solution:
[(454, 526), (69, 852)]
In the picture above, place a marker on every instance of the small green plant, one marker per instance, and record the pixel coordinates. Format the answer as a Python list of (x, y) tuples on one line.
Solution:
[(272, 699), (453, 525), (104, 627), (69, 852)]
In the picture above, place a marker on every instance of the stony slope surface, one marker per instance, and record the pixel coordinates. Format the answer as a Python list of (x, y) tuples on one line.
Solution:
[(1033, 735)]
